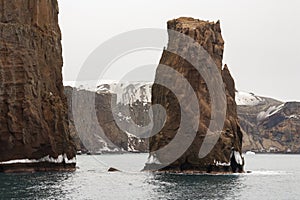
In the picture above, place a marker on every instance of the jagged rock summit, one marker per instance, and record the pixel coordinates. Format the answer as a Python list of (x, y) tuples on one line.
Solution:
[(34, 133), (226, 155)]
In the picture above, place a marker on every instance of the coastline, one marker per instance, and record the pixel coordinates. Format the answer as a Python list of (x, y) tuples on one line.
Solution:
[(37, 167)]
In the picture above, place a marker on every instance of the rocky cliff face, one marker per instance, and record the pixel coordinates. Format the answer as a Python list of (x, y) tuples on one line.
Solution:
[(226, 154), (33, 119), (270, 125), (108, 111)]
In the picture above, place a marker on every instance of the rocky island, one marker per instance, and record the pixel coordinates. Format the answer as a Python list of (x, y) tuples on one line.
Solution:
[(267, 125), (34, 132), (226, 154)]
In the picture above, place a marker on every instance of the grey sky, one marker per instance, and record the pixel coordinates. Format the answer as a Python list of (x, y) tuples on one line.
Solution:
[(262, 38)]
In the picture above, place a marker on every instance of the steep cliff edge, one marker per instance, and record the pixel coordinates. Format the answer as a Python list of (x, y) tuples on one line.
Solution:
[(226, 154), (34, 132)]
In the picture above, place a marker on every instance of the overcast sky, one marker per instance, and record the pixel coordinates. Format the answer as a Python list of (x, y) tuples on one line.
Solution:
[(262, 37)]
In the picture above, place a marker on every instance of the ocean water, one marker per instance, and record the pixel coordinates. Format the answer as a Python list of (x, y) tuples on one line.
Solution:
[(272, 177)]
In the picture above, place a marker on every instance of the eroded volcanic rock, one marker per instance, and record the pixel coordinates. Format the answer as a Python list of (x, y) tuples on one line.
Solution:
[(33, 119), (226, 154)]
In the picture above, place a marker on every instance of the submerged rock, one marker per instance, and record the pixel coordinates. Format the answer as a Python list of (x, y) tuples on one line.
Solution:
[(225, 155), (33, 119)]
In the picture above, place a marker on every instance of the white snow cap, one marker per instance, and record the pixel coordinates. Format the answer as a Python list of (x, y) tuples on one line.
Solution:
[(127, 91), (247, 99)]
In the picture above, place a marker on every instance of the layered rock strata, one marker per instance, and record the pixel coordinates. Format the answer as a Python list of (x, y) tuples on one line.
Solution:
[(34, 132), (225, 155)]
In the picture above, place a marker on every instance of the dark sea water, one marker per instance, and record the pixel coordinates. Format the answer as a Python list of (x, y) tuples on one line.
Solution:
[(272, 177)]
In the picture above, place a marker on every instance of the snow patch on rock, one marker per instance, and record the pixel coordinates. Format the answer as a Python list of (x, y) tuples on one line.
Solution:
[(271, 111), (218, 163), (238, 157), (59, 159), (127, 92), (153, 160), (105, 147), (294, 117), (131, 138)]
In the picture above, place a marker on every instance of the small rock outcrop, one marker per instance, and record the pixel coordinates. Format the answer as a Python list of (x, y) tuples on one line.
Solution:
[(226, 154), (34, 134), (111, 169)]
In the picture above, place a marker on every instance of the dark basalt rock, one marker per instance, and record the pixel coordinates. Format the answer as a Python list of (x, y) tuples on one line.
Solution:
[(111, 169), (229, 146), (33, 118)]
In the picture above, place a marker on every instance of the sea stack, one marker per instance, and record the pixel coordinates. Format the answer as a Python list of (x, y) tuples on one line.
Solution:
[(226, 155), (34, 133)]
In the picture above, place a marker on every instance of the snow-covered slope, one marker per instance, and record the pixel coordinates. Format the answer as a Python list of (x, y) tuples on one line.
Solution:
[(127, 92), (132, 104), (253, 111), (268, 113), (247, 99)]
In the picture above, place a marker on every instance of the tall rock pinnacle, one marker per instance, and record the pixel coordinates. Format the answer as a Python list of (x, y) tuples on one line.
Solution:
[(225, 155), (33, 119)]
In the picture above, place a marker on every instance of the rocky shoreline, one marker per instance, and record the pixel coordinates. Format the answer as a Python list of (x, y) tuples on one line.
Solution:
[(37, 167)]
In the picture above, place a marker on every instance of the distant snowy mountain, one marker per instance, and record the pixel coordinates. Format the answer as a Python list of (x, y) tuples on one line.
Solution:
[(268, 124), (247, 99), (112, 116), (127, 92)]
